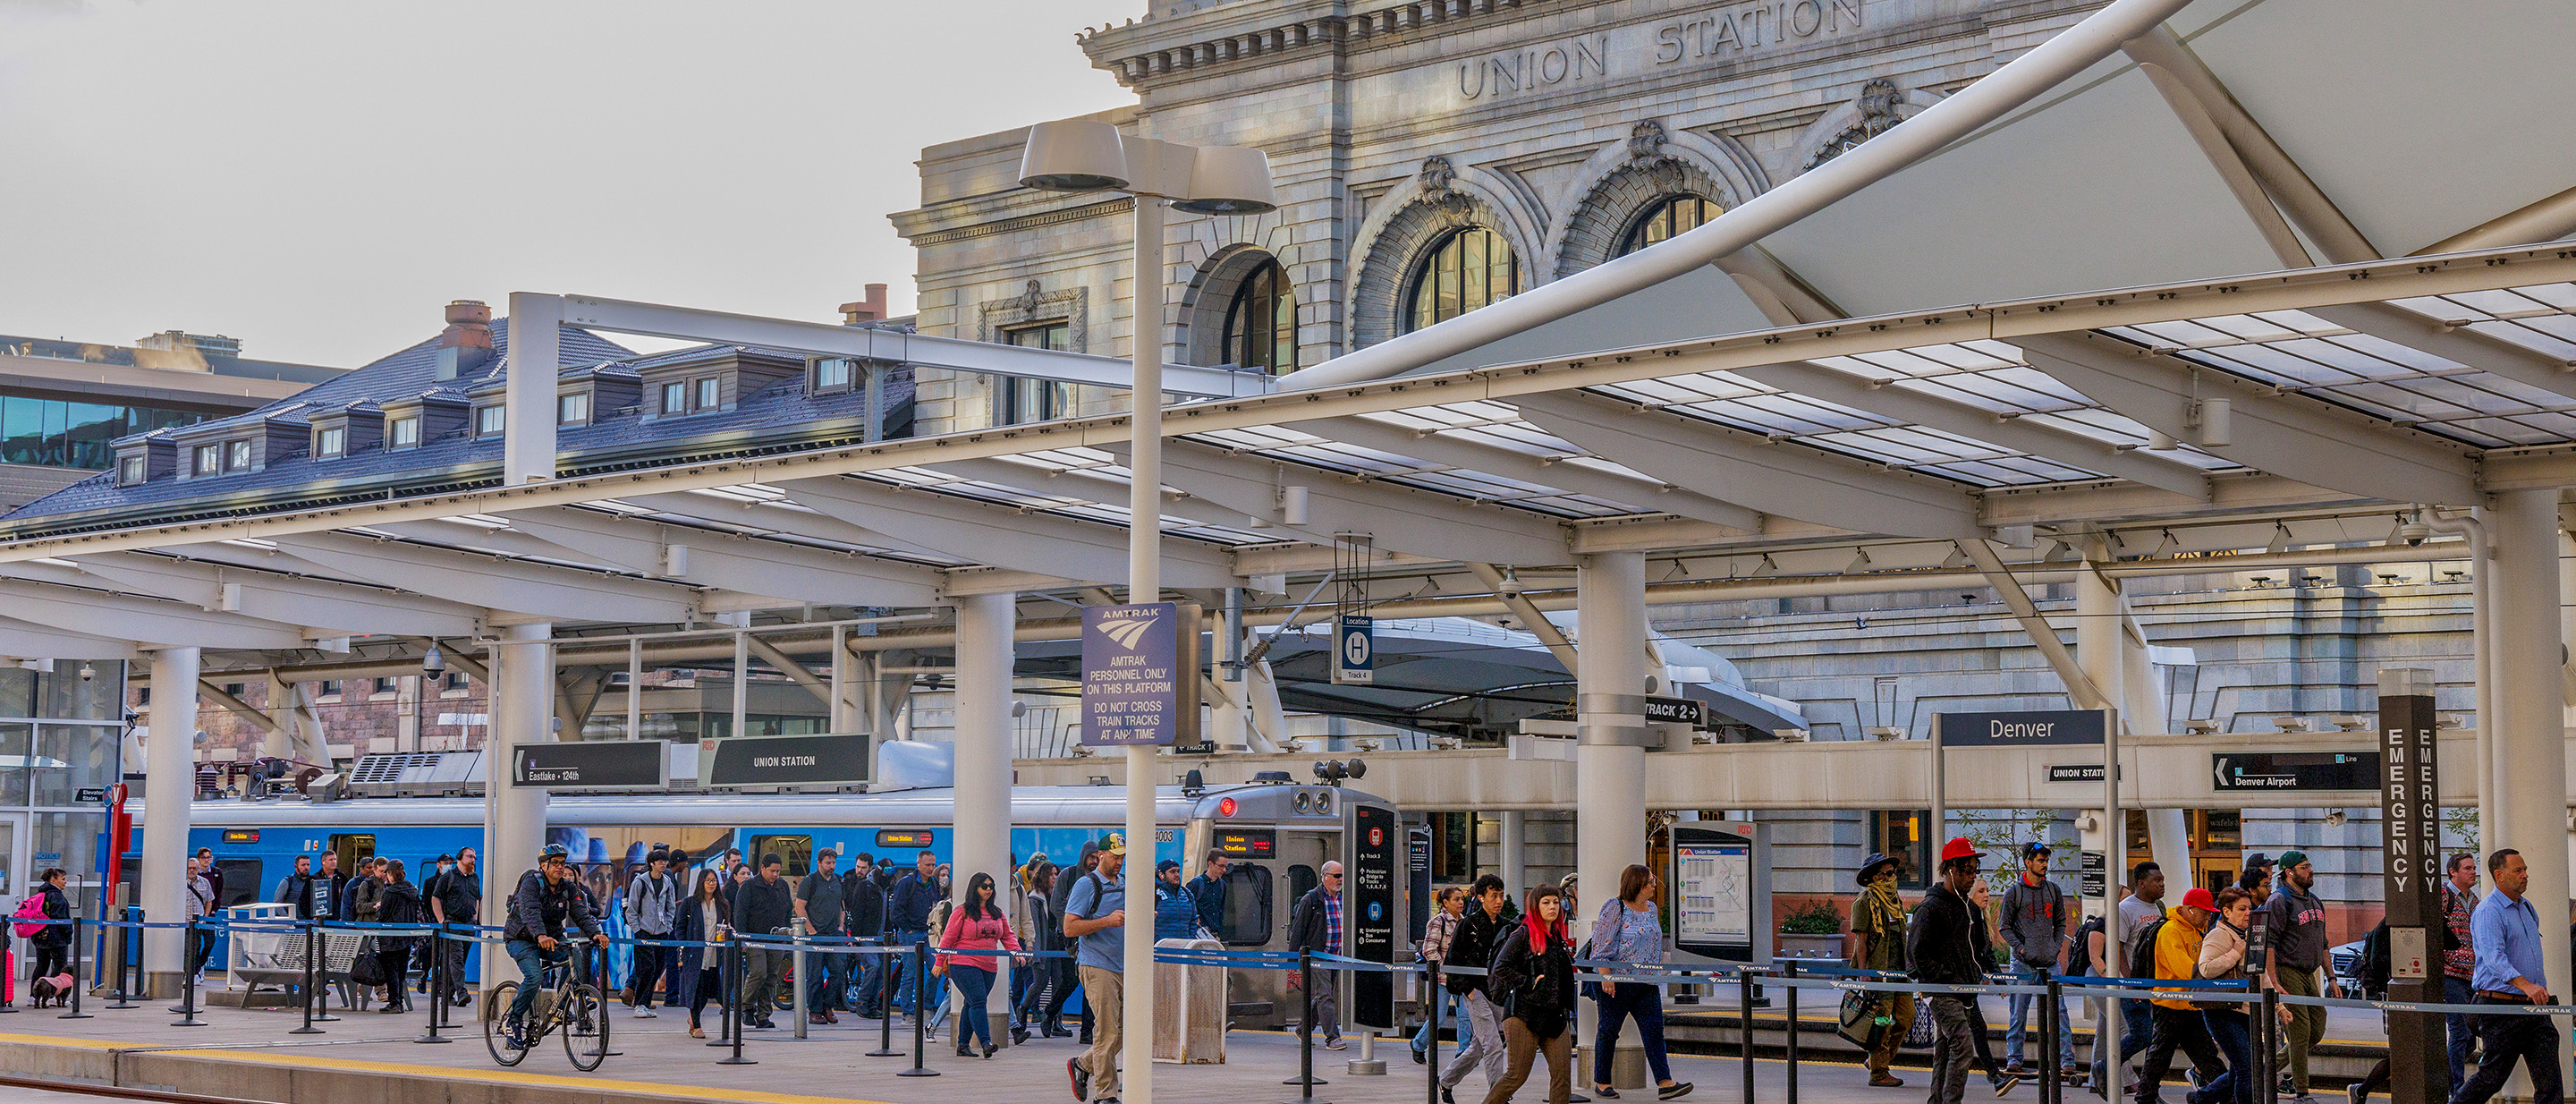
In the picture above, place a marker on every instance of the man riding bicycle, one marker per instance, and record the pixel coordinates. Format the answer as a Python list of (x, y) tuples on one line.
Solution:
[(546, 897)]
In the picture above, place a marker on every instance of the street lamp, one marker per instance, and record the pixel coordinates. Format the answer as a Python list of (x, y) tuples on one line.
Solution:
[(1079, 155)]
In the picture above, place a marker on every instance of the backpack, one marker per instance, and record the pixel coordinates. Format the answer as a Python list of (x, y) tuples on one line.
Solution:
[(31, 909), (2080, 961), (2142, 949)]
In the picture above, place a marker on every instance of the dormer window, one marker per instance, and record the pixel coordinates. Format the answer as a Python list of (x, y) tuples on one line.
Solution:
[(209, 460), (131, 470), (237, 456), (833, 374), (675, 398), (488, 420), (573, 409), (703, 393), (329, 442), (405, 432)]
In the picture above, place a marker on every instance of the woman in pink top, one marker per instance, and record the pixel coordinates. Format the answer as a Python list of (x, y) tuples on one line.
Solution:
[(977, 925)]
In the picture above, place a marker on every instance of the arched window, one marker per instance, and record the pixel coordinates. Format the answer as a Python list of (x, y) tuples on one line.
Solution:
[(1471, 268), (1668, 217), (1261, 323)]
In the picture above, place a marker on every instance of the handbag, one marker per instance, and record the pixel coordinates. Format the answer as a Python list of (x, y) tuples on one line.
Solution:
[(1590, 987), (1923, 1033), (1860, 1023), (364, 967)]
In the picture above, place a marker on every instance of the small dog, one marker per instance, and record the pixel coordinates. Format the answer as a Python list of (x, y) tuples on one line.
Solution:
[(57, 989)]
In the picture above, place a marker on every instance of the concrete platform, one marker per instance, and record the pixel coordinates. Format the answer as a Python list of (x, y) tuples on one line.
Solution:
[(370, 1058)]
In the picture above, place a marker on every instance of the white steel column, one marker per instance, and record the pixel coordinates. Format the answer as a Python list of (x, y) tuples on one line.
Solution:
[(1144, 584), (1514, 837), (2531, 799), (983, 786), (169, 784), (528, 422), (2103, 649), (1609, 762), (522, 711)]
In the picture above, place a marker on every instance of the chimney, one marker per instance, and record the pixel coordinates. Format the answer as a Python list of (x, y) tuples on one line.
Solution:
[(871, 309), (465, 347)]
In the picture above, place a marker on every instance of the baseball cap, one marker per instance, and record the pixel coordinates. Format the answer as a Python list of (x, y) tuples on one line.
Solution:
[(1115, 843), (2034, 847), (2200, 898), (2259, 859), (2292, 858), (1167, 864)]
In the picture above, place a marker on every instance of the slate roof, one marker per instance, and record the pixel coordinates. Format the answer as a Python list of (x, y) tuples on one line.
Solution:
[(776, 417)]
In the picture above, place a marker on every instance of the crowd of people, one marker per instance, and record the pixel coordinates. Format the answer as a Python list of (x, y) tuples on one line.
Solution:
[(1953, 936)]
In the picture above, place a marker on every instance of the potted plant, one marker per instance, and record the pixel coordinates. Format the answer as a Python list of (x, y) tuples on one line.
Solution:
[(1813, 930)]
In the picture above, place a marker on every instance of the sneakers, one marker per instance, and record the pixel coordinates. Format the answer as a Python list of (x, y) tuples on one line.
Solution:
[(1336, 1044), (1420, 1058), (1674, 1091), (647, 1014), (1881, 1079), (2005, 1082), (1446, 1097), (2354, 1092), (1081, 1079)]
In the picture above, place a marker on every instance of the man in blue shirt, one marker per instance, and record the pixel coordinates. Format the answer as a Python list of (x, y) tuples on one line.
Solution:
[(1095, 915), (2506, 933)]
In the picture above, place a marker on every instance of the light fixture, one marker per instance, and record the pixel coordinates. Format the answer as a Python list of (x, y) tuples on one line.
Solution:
[(1074, 155), (2166, 546), (1510, 587), (1766, 568), (2280, 538), (1859, 562), (433, 664), (1081, 155), (1228, 180), (1958, 558), (2161, 441), (2213, 423)]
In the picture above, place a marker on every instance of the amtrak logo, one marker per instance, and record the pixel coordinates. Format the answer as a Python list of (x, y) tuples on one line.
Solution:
[(1128, 627)]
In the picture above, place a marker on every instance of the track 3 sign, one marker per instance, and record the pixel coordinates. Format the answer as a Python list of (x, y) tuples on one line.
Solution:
[(1140, 674)]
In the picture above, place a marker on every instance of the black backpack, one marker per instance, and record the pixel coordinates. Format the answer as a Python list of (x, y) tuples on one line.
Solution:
[(2082, 958), (2142, 948)]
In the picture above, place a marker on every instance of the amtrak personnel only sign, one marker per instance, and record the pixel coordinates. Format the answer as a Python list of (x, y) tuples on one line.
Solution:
[(1140, 674)]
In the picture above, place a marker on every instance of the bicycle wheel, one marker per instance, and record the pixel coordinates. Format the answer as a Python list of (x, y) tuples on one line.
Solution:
[(496, 1033), (584, 1027)]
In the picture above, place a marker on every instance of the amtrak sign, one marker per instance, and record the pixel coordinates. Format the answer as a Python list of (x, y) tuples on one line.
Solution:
[(1140, 674)]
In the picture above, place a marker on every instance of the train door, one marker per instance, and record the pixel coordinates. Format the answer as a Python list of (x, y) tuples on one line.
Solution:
[(352, 847), (13, 833)]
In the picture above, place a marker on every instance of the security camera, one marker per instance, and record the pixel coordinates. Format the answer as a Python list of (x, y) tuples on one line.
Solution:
[(88, 672), (2414, 533)]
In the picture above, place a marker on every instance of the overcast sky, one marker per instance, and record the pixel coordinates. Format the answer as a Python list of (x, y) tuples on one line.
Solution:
[(318, 178)]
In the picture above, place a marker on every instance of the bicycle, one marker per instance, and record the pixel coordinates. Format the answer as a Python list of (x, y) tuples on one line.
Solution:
[(575, 1008)]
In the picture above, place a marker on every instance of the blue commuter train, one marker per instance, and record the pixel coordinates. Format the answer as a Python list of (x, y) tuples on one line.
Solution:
[(1278, 833)]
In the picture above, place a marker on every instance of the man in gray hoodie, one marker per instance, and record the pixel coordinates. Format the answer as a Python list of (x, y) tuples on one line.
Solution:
[(652, 907), (2034, 923)]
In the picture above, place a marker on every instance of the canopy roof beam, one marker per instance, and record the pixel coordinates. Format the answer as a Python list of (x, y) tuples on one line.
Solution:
[(748, 564), (538, 590), (2299, 438), (1002, 536), (1546, 471), (349, 607), (143, 620), (1773, 477), (1397, 518)]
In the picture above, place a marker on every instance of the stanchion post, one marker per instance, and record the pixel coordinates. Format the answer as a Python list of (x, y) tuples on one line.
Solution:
[(1432, 994), (922, 1002), (188, 980), (1744, 983), (1789, 973), (124, 997), (77, 986), (733, 1009), (2270, 1039), (1306, 1079), (796, 934), (2050, 1091), (438, 988), (885, 1005), (312, 980)]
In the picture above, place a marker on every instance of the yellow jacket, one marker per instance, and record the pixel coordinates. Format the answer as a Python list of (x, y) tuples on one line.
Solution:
[(2178, 953)]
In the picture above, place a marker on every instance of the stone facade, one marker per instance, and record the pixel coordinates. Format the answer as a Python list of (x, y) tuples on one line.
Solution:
[(1556, 124)]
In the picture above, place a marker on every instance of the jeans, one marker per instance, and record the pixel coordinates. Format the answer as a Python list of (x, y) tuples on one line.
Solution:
[(2137, 1029), (2020, 1004), (1952, 1049), (974, 986), (2534, 1039), (909, 966), (450, 961), (650, 964), (829, 981), (2235, 1037), (2178, 1029), (201, 946), (2463, 1033), (532, 961), (1448, 1003), (869, 984), (1321, 1008), (1480, 1035), (1645, 1003)]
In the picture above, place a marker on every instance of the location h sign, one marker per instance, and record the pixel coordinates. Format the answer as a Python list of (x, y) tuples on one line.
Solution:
[(1354, 650), (1140, 674)]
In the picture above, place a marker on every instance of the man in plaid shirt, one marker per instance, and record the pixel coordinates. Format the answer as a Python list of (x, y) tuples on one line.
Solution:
[(1317, 926), (2459, 898)]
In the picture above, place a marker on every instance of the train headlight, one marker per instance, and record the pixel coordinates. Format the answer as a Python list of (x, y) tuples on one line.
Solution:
[(1323, 804), (1301, 801)]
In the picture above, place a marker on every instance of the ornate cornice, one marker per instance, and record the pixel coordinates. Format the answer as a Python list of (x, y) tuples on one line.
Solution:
[(1110, 47), (1057, 217)]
